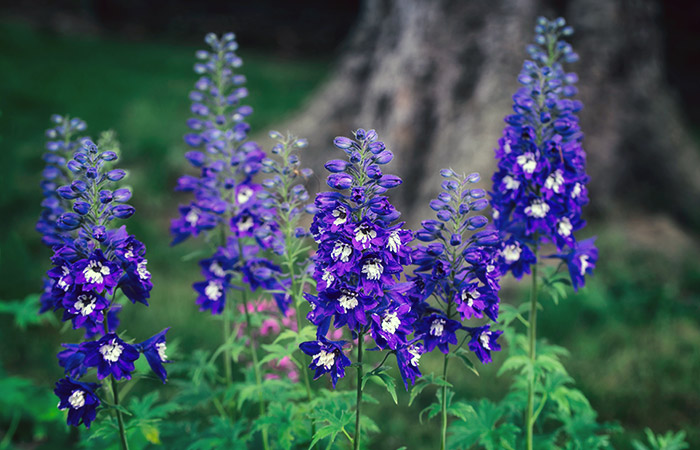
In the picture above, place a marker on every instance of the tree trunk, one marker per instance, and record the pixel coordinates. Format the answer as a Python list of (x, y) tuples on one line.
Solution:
[(435, 79)]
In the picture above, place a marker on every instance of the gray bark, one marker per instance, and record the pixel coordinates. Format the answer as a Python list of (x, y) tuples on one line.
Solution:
[(435, 79)]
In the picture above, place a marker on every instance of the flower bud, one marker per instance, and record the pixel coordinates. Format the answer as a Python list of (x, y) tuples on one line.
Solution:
[(116, 174), (68, 221), (339, 181), (123, 211), (81, 208)]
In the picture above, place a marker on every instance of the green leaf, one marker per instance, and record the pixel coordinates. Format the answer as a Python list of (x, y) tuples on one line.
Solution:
[(462, 355)]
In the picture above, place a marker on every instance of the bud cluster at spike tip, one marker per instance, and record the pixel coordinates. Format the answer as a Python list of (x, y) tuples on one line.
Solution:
[(458, 266), (227, 202), (540, 185), (93, 261), (63, 140), (361, 255)]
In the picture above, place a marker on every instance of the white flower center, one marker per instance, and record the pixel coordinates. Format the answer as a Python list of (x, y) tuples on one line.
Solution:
[(61, 282), (77, 399), (141, 269), (373, 269), (584, 264), (348, 301), (244, 195), (160, 348), (95, 272), (554, 181), (192, 217), (485, 339), (576, 191), (390, 322), (364, 234), (341, 215), (111, 351), (129, 253), (469, 297), (415, 355), (437, 327), (564, 227), (213, 290), (216, 269), (394, 241), (506, 147), (325, 359), (527, 162), (341, 251), (328, 277), (85, 304), (537, 209), (245, 223), (511, 183), (511, 253)]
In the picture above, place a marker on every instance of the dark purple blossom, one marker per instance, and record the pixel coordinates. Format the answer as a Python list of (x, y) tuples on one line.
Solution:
[(483, 342), (79, 399), (154, 350), (111, 356), (408, 358), (326, 357)]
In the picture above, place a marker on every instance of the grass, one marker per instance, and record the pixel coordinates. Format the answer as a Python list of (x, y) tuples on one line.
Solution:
[(632, 333)]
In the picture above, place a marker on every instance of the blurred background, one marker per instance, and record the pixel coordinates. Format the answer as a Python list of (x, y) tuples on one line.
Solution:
[(435, 78)]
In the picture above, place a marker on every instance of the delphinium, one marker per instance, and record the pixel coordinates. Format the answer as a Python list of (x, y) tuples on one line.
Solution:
[(458, 269), (286, 195), (361, 255), (94, 262), (227, 208), (540, 185)]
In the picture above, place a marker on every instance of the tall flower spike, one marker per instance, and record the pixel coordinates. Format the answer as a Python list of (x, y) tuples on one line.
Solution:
[(94, 261), (361, 251), (458, 265), (540, 185), (227, 201)]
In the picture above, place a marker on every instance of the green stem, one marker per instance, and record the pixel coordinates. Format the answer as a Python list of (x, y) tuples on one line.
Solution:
[(443, 441), (532, 335), (227, 338), (120, 419), (256, 365), (356, 440)]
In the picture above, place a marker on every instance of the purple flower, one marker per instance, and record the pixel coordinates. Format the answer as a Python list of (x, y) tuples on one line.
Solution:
[(111, 356), (483, 342), (154, 350), (96, 272), (71, 359), (581, 260), (408, 358), (326, 357), (79, 399), (84, 308), (436, 330), (212, 294)]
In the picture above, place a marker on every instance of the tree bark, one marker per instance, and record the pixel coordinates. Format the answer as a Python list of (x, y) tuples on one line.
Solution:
[(435, 79)]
